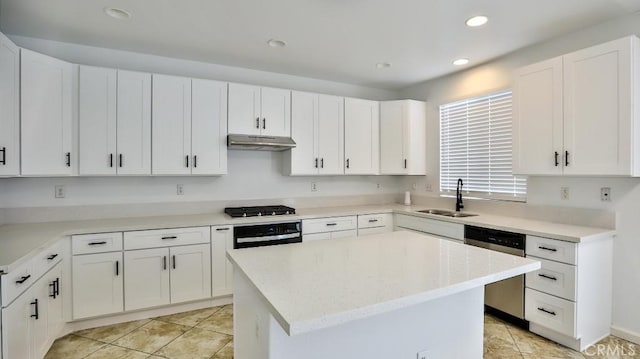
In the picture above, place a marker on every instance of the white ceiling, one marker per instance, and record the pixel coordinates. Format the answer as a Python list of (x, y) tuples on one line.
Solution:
[(339, 40)]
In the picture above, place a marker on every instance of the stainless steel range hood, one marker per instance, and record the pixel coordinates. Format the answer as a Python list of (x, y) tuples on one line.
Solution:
[(259, 143)]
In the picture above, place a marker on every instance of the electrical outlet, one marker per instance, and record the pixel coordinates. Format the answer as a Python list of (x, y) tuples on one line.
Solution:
[(60, 191), (414, 186), (180, 189), (422, 354), (564, 193), (605, 194), (378, 186), (314, 187), (429, 187)]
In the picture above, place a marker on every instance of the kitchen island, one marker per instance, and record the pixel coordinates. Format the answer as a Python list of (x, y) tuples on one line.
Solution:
[(390, 295)]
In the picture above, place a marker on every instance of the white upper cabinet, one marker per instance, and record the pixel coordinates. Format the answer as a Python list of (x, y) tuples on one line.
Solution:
[(403, 138), (47, 115), (575, 115), (97, 120), (134, 123), (9, 108), (171, 130), (317, 127), (208, 127), (361, 137), (537, 118), (255, 110)]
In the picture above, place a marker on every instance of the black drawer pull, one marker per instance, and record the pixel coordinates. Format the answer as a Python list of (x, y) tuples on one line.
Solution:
[(68, 159), (347, 163), (187, 161), (548, 249), (52, 257), (264, 123), (566, 158), (57, 286), (258, 122), (316, 165), (23, 279), (35, 315), (222, 229), (373, 220), (97, 243), (547, 311), (170, 237), (164, 263), (52, 285), (322, 163), (111, 160), (4, 156), (174, 262), (547, 276), (331, 224), (556, 157), (195, 161), (117, 268), (121, 160)]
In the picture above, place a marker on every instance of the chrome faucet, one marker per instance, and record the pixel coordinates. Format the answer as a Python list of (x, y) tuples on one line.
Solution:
[(459, 204)]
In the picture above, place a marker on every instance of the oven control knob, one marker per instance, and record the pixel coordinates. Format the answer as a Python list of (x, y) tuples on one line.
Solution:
[(287, 212), (273, 213), (244, 214), (259, 213)]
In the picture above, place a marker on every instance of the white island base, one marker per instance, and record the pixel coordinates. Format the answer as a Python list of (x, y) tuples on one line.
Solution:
[(447, 327)]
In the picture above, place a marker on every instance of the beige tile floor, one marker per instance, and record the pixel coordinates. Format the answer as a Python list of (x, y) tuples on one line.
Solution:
[(208, 334)]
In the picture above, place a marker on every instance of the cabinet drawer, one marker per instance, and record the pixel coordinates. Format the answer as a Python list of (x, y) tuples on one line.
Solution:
[(166, 237), (376, 230), (96, 243), (433, 226), (332, 224), (547, 248), (316, 236), (49, 257), (17, 281), (550, 312), (375, 220), (554, 278)]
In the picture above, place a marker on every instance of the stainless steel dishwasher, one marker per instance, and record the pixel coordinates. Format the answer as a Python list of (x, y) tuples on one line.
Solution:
[(504, 298)]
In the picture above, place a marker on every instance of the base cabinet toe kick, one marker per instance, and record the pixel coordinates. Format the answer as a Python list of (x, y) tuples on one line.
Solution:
[(569, 299)]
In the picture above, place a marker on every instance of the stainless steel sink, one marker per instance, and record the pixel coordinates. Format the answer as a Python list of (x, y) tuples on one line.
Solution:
[(444, 212)]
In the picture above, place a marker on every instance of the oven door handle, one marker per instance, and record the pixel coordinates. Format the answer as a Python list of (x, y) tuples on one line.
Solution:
[(268, 238)]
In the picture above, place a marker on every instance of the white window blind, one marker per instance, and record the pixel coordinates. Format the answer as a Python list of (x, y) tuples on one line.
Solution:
[(476, 145)]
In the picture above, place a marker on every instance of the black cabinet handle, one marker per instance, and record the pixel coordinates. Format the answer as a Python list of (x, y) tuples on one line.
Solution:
[(35, 315), (57, 286), (373, 220), (97, 243), (169, 237), (117, 268), (23, 279), (258, 122), (547, 276), (111, 160), (164, 263), (52, 257), (187, 161), (264, 123), (347, 163), (195, 161), (547, 311), (331, 224), (174, 262), (222, 229), (548, 249), (566, 158), (316, 162), (52, 285), (556, 157), (121, 160), (322, 163), (405, 163), (4, 156), (68, 159)]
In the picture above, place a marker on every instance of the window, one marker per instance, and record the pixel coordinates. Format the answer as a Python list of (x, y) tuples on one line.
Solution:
[(475, 145)]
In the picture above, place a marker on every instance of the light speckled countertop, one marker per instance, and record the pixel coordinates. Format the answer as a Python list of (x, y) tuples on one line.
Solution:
[(18, 242), (338, 281)]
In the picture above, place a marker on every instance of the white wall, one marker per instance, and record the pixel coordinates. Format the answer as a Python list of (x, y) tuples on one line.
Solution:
[(584, 192)]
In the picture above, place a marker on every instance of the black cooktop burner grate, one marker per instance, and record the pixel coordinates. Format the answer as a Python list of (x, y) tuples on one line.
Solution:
[(259, 211)]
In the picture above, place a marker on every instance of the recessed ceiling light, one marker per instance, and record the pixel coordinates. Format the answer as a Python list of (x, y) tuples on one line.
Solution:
[(477, 21), (460, 62), (383, 65), (277, 43), (117, 13)]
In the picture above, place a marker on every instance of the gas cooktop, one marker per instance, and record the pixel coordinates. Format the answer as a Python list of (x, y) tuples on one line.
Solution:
[(259, 211)]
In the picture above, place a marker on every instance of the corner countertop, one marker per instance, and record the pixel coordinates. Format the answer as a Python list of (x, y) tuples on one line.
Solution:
[(337, 281), (19, 242)]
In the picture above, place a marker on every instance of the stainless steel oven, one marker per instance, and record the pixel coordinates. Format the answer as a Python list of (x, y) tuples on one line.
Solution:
[(506, 297), (258, 235)]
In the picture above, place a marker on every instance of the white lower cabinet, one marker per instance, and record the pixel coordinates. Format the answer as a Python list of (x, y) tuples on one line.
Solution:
[(161, 276), (444, 229), (568, 300), (190, 273), (221, 268), (97, 284), (34, 318), (375, 223), (329, 228)]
